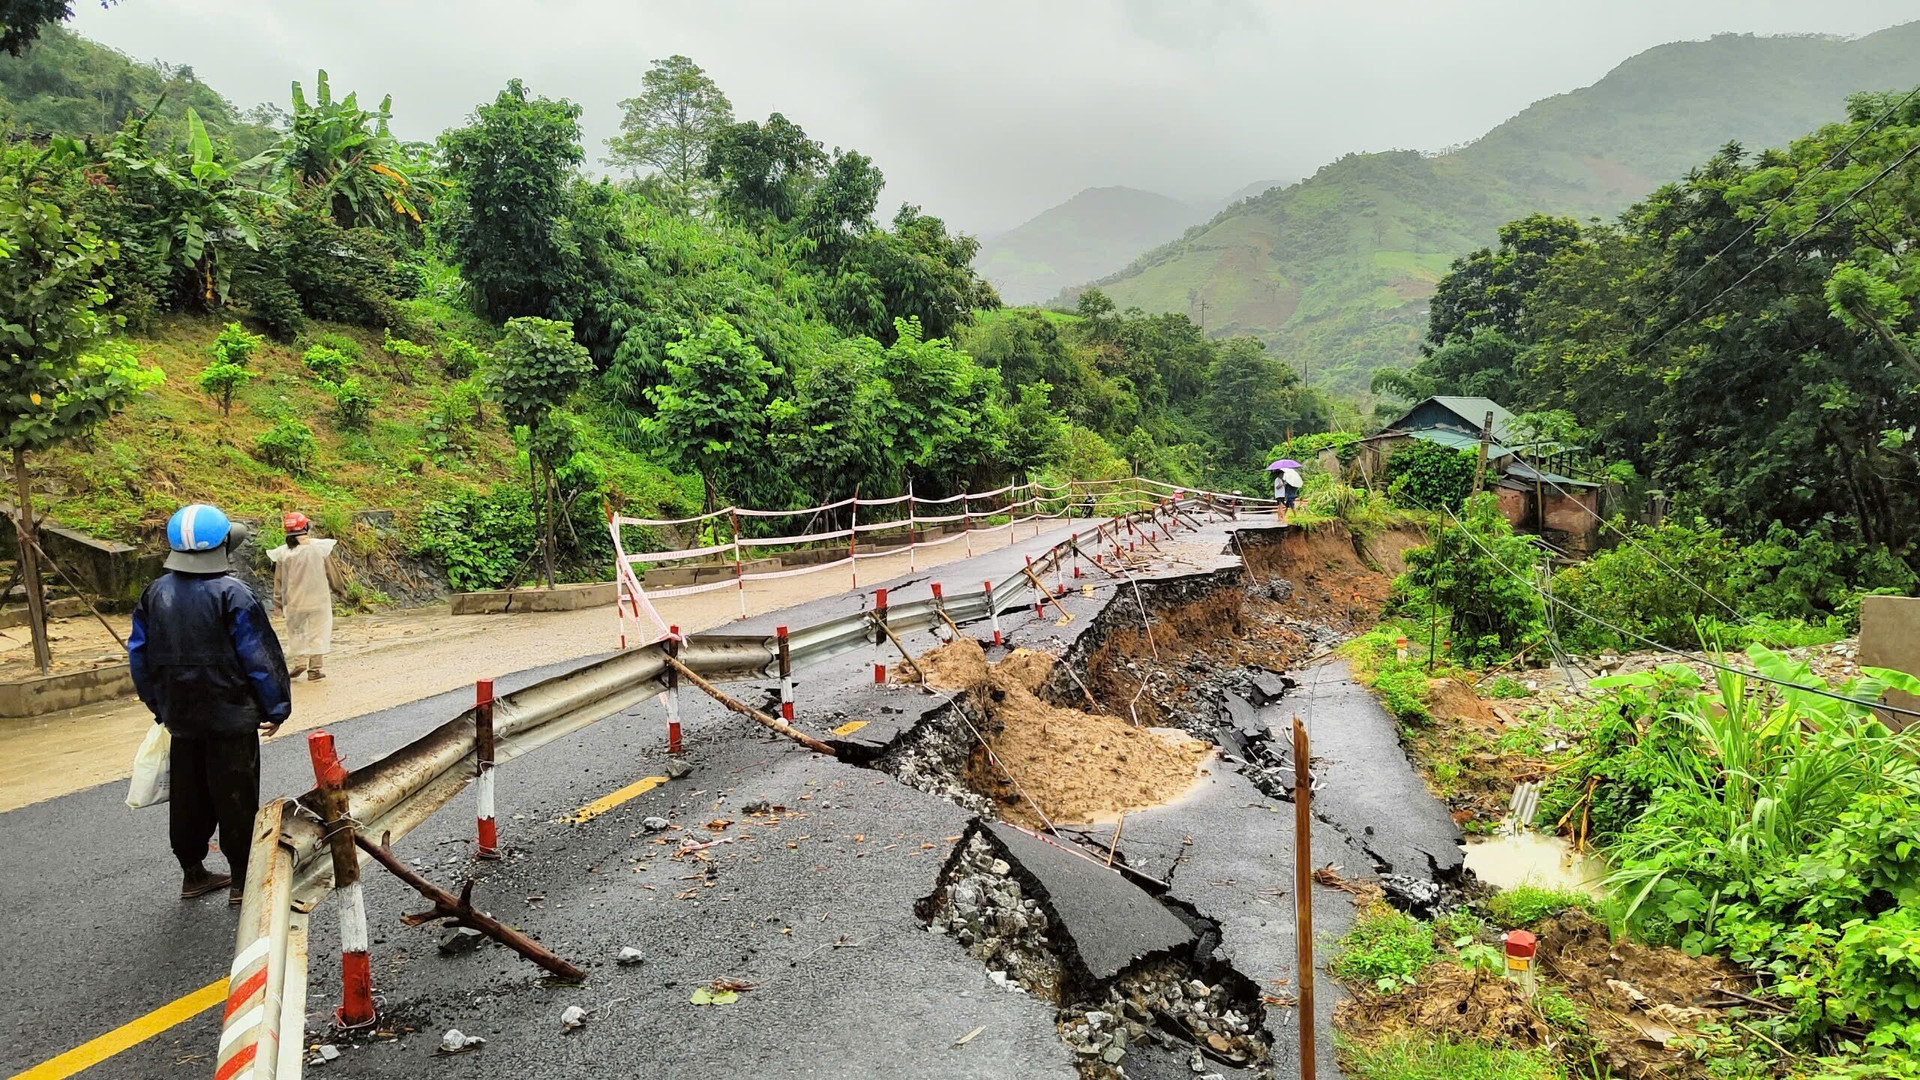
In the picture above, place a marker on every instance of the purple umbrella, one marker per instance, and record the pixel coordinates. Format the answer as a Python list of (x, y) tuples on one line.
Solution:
[(1283, 463)]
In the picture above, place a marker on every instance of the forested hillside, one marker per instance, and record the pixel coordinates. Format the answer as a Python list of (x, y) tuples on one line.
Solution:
[(1334, 273), (478, 337)]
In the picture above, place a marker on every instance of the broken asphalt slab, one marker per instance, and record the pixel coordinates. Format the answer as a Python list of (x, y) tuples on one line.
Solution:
[(1108, 923)]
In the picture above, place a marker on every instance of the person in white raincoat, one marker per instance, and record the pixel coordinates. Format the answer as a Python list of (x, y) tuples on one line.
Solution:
[(304, 581)]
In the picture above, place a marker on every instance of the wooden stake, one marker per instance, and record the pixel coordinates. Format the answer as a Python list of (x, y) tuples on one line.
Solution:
[(749, 711), (904, 654), (461, 912), (1303, 892)]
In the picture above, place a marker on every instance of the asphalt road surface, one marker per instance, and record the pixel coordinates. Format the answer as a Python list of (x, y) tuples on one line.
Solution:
[(813, 904)]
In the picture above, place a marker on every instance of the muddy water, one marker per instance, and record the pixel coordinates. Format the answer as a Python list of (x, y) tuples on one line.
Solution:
[(1532, 859)]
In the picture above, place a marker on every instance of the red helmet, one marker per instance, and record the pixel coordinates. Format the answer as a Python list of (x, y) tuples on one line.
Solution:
[(295, 523)]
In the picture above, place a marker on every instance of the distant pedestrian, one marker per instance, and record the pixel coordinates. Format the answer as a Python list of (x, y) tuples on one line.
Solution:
[(1286, 487), (304, 581), (205, 660)]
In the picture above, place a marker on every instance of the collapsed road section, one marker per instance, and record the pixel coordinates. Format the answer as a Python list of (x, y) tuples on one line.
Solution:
[(1127, 865)]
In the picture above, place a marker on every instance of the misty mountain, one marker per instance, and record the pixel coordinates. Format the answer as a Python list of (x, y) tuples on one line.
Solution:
[(1091, 234), (1334, 272)]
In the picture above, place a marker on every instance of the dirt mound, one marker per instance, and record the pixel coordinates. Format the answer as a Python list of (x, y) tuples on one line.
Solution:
[(1335, 578), (1449, 999), (1079, 767), (958, 665)]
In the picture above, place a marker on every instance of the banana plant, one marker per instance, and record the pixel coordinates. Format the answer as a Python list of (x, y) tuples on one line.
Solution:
[(199, 208), (344, 158)]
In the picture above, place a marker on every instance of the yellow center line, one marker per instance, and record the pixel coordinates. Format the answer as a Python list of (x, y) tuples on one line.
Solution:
[(850, 727), (607, 802), (93, 1052)]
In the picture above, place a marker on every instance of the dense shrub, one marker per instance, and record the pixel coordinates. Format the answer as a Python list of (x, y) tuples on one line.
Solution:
[(221, 380), (454, 416), (235, 346), (478, 538), (1429, 476), (289, 446), (1385, 950), (328, 364), (463, 358), (1657, 584), (1481, 573)]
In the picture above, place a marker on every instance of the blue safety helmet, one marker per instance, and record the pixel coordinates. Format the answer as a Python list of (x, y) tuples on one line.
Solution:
[(199, 536)]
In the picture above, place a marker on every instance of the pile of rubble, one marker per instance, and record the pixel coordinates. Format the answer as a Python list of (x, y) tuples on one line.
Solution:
[(1164, 1011), (934, 757), (983, 906)]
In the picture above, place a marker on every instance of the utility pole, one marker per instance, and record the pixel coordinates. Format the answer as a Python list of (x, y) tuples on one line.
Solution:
[(1480, 470)]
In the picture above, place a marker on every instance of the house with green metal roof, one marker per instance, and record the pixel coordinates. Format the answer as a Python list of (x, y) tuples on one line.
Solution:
[(1534, 495)]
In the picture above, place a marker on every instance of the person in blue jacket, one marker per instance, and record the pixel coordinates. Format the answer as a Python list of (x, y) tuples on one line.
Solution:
[(205, 660)]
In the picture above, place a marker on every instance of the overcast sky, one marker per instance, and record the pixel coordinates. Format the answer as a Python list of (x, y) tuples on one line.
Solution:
[(984, 111)]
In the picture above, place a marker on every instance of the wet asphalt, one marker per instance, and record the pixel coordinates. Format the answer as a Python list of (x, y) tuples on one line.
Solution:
[(811, 904)]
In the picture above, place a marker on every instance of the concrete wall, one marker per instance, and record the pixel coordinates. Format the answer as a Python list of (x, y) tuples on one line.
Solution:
[(48, 693), (112, 572), (1890, 638), (1516, 506)]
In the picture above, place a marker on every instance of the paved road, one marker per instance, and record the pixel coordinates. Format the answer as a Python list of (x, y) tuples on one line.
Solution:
[(813, 905)]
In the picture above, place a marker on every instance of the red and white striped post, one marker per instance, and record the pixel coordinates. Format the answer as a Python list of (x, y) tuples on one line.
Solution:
[(673, 692), (356, 968), (993, 614), (910, 527), (786, 675), (966, 520), (879, 635), (1039, 609), (853, 535), (939, 605), (739, 568), (483, 779)]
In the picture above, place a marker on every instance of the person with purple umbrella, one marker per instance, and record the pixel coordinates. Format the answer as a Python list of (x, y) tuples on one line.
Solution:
[(1286, 486)]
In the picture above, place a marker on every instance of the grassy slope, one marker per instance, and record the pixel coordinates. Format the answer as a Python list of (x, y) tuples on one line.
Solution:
[(1091, 234), (1334, 272), (172, 446)]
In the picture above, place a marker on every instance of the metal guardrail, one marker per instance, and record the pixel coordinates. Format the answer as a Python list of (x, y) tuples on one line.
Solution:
[(289, 872)]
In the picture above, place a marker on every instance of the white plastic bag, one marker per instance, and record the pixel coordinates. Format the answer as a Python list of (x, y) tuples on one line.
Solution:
[(151, 778)]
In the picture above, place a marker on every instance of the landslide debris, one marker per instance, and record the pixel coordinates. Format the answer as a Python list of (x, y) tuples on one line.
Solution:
[(1045, 763)]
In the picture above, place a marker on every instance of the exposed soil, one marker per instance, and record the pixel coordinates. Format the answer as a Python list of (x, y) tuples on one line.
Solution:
[(1643, 1007), (1070, 765)]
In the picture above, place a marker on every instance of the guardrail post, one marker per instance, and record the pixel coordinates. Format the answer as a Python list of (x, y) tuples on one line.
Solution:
[(993, 613), (356, 968), (910, 527), (786, 675), (966, 520), (673, 691), (880, 617), (483, 781)]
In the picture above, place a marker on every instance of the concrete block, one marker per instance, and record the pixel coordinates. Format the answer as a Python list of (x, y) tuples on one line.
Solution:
[(41, 694), (1890, 638), (562, 598)]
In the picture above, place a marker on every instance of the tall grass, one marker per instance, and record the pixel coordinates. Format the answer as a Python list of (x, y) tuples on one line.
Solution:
[(1751, 779)]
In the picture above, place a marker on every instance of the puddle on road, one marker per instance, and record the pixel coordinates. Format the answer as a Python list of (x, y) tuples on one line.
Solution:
[(1532, 859)]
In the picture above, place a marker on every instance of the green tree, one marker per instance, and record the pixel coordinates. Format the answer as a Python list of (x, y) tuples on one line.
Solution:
[(191, 210), (710, 413), (667, 129), (942, 420), (511, 168), (825, 432), (1252, 401), (56, 382), (537, 367), (1036, 431), (762, 172), (22, 20)]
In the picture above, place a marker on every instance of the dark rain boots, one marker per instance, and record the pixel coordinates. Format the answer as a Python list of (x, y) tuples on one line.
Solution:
[(199, 881)]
